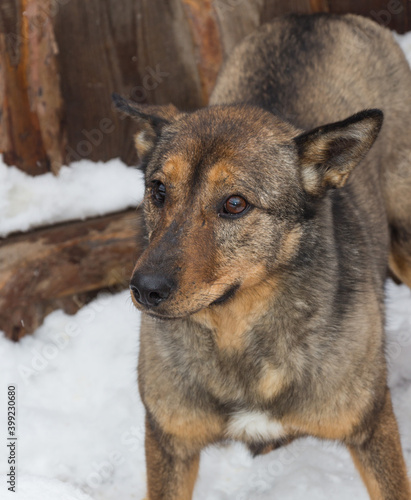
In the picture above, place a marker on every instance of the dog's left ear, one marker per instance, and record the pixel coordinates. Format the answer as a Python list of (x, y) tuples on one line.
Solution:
[(151, 118), (328, 154)]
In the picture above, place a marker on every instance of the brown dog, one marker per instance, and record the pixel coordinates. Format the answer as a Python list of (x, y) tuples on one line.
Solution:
[(262, 284)]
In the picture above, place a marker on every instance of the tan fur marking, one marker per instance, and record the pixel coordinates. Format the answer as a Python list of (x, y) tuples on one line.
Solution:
[(194, 428), (369, 479), (271, 381), (191, 476), (176, 169), (310, 179), (331, 426), (174, 479), (203, 428), (380, 461), (221, 172), (337, 179), (144, 142), (290, 245), (231, 321), (401, 267)]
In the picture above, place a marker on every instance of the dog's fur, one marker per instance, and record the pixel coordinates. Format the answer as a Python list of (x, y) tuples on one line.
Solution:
[(274, 327)]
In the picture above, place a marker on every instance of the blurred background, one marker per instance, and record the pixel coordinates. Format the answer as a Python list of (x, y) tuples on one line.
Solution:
[(60, 60)]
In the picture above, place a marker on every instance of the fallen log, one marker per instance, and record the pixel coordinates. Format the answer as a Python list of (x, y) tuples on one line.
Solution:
[(59, 266)]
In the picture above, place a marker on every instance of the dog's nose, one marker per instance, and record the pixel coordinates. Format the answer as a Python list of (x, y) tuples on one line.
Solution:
[(151, 289)]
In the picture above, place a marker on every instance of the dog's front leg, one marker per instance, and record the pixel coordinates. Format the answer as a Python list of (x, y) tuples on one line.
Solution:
[(171, 467), (380, 461)]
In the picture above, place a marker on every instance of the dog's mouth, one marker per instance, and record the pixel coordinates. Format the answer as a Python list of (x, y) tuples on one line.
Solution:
[(163, 317), (225, 297)]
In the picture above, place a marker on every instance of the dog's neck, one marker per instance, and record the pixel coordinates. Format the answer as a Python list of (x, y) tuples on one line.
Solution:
[(230, 322)]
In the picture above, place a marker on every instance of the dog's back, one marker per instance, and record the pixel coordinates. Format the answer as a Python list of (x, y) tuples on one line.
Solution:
[(311, 70)]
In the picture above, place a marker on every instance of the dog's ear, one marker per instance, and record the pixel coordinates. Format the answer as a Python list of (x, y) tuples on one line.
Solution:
[(151, 118), (328, 154)]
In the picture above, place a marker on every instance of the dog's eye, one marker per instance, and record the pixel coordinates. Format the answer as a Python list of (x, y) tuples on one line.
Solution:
[(158, 193), (235, 205)]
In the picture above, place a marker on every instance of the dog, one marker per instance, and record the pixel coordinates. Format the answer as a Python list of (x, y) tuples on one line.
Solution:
[(272, 219)]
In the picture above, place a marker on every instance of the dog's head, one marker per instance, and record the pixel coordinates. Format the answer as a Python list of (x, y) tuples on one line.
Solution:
[(227, 191)]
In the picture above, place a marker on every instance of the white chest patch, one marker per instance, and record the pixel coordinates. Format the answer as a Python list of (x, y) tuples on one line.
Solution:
[(254, 425)]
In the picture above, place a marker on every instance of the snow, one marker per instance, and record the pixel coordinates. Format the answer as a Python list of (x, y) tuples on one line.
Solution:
[(404, 41), (40, 488), (81, 422), (85, 189)]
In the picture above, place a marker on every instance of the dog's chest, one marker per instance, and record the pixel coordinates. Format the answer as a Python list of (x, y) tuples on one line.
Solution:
[(254, 426)]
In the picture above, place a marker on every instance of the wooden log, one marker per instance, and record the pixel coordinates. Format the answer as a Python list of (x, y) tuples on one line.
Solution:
[(44, 80), (394, 14), (32, 135), (42, 269), (236, 19), (140, 49), (155, 52), (205, 34)]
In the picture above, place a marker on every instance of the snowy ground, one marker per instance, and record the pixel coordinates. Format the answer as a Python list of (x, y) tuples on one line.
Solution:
[(85, 189), (80, 420)]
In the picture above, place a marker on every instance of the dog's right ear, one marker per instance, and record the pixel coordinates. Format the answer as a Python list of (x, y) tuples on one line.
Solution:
[(328, 154), (151, 118)]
